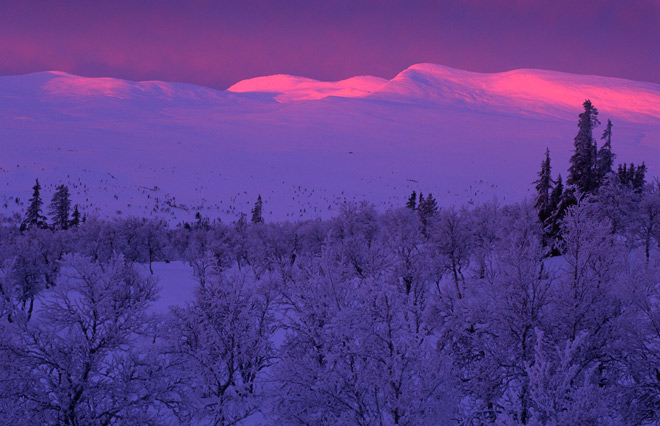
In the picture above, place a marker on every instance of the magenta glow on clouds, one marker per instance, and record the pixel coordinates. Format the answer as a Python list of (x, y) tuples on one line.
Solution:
[(216, 43)]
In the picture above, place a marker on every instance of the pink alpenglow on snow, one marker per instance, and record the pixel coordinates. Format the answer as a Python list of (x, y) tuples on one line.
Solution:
[(307, 146), (290, 88)]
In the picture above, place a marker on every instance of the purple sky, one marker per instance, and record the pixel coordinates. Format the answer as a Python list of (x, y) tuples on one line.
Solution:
[(216, 43)]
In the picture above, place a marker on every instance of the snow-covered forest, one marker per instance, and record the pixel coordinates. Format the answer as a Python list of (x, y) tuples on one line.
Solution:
[(541, 312)]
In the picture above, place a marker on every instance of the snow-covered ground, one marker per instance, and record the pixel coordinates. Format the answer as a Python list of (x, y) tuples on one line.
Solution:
[(176, 282), (170, 149)]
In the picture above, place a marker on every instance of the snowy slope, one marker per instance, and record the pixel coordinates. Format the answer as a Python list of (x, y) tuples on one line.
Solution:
[(169, 149)]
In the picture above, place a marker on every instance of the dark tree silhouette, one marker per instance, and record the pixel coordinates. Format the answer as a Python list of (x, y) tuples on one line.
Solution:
[(543, 187), (412, 201), (60, 206), (605, 158), (427, 208), (75, 217), (257, 216), (581, 173), (631, 176), (34, 216)]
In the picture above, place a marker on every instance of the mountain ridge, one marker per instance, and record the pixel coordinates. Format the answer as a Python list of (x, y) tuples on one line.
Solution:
[(306, 146), (529, 89)]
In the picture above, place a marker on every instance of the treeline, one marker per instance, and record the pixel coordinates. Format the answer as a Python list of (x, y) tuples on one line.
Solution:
[(59, 208), (360, 320), (591, 173), (414, 316), (62, 217)]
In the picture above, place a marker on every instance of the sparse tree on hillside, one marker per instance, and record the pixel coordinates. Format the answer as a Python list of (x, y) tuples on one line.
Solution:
[(75, 218), (60, 206), (427, 208), (34, 216), (257, 215), (640, 177), (412, 201)]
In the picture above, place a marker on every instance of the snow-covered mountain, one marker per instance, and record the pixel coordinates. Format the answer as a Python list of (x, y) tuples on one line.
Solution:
[(306, 146)]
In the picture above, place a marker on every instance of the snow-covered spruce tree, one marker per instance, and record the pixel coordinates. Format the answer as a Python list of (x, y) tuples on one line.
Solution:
[(634, 177), (582, 171), (427, 209), (543, 189), (60, 207), (75, 217), (639, 181), (558, 205), (34, 215), (412, 201), (77, 362), (257, 214), (605, 159)]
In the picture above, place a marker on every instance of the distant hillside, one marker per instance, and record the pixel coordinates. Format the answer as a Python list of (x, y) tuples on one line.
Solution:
[(170, 149)]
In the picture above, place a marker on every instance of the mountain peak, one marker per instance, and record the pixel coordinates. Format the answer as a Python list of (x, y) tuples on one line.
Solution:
[(531, 90), (292, 88)]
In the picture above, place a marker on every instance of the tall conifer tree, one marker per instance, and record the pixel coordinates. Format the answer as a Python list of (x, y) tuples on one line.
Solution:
[(557, 194), (34, 216), (412, 201), (60, 207), (605, 158), (543, 188), (257, 216), (582, 172), (428, 207), (558, 203), (75, 217)]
